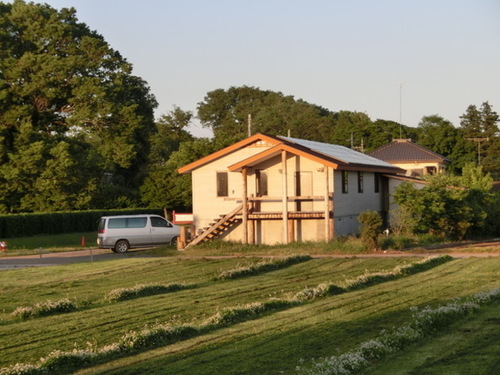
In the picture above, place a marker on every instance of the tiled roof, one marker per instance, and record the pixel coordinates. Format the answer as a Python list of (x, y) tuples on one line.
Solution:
[(404, 150)]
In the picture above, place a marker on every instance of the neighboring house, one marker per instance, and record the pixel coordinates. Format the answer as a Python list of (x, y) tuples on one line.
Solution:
[(272, 189), (415, 159)]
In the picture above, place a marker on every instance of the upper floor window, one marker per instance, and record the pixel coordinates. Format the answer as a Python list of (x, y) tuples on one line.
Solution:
[(376, 185), (222, 184), (345, 182), (360, 182)]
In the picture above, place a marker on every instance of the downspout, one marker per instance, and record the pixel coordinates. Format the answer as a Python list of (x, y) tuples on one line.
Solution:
[(244, 173), (284, 196)]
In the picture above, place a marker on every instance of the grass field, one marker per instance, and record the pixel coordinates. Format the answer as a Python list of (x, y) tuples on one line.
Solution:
[(270, 343)]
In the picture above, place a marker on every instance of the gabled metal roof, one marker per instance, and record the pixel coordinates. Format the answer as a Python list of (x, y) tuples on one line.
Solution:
[(338, 152), (334, 156)]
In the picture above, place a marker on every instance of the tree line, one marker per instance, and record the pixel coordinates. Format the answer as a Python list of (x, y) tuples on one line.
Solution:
[(77, 127)]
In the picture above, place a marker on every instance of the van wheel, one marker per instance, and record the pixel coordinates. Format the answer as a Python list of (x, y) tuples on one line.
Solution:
[(122, 246), (173, 242)]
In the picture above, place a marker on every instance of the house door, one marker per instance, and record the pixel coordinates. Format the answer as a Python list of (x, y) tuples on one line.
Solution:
[(304, 188)]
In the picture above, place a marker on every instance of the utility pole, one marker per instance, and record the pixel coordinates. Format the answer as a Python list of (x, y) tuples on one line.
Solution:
[(478, 140)]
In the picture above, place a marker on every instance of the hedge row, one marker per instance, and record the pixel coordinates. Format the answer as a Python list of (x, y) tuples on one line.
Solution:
[(22, 225)]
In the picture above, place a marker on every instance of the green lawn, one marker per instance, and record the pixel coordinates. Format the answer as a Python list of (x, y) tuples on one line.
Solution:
[(52, 242), (272, 343)]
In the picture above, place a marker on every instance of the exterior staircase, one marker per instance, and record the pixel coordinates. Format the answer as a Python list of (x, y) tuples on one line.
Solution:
[(217, 228)]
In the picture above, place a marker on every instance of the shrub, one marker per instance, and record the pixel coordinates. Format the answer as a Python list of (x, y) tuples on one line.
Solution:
[(371, 227)]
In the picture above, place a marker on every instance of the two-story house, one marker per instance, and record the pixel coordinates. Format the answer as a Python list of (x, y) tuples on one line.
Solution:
[(273, 189)]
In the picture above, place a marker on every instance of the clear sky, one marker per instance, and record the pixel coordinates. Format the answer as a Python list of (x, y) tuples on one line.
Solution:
[(391, 59)]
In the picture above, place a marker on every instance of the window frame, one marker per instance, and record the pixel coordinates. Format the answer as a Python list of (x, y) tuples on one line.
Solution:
[(376, 183), (345, 182), (222, 184), (360, 182)]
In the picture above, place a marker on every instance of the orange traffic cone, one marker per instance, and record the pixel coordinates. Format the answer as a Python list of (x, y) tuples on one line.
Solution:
[(83, 242)]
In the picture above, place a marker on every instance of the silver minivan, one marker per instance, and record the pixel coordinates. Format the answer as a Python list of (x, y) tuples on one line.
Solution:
[(123, 232)]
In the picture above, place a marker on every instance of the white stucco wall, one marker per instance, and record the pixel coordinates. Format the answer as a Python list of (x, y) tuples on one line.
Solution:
[(207, 207), (347, 206)]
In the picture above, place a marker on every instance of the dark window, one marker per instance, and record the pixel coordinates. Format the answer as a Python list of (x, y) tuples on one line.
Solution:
[(130, 222), (261, 181), (117, 223), (137, 222), (222, 184), (158, 222), (377, 182), (345, 182), (360, 182)]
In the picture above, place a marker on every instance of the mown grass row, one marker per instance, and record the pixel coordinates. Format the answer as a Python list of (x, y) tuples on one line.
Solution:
[(67, 305), (165, 334), (424, 323), (259, 268)]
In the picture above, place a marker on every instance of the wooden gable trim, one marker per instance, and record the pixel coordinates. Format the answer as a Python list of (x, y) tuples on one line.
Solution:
[(275, 151), (225, 151)]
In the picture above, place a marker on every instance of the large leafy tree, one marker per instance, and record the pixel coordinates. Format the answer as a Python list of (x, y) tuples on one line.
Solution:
[(480, 128), (226, 113), (63, 88), (439, 135), (158, 189)]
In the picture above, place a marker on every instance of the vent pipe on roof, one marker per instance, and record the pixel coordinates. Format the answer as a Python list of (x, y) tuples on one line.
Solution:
[(249, 125)]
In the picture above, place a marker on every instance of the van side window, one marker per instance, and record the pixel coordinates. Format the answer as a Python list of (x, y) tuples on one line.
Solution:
[(137, 222), (130, 222), (158, 222), (117, 223)]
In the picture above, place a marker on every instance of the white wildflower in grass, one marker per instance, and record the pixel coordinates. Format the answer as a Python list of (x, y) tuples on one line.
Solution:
[(487, 297), (322, 290), (369, 279), (22, 369), (64, 305), (423, 265), (424, 323), (267, 266), (155, 336), (67, 361)]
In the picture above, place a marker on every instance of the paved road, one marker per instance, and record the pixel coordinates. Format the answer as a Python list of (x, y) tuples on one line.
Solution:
[(92, 255), (52, 259)]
